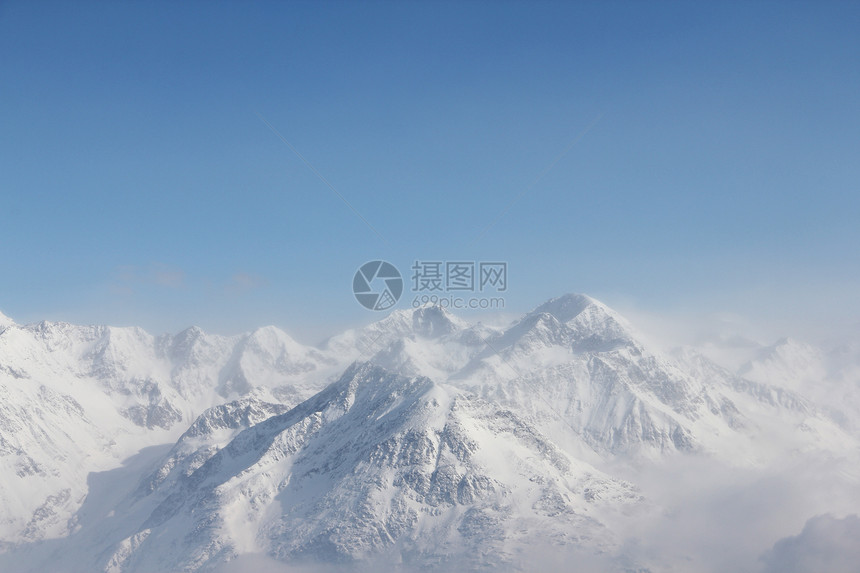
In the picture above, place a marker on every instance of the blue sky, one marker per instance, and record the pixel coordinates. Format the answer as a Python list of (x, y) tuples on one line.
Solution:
[(716, 163)]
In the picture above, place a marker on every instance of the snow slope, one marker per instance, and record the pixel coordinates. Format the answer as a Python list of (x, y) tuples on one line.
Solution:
[(5, 321), (80, 399), (375, 466)]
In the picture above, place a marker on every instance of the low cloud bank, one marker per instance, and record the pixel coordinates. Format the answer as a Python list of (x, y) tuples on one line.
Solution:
[(826, 543)]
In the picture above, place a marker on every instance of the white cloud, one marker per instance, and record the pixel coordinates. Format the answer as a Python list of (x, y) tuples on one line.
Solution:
[(826, 544), (163, 275), (243, 282), (129, 278), (709, 518)]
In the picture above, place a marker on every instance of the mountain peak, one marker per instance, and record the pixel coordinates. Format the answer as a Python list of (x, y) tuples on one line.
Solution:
[(567, 307), (433, 321), (191, 333), (186, 339), (427, 320), (787, 347), (589, 321), (5, 321), (273, 337)]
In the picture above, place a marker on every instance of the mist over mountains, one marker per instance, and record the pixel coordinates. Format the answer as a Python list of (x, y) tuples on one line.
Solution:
[(422, 441)]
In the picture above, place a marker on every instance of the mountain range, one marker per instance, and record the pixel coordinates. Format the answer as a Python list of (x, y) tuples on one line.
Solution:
[(421, 441)]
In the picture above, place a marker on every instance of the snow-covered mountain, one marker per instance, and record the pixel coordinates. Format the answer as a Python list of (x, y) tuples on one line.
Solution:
[(80, 399), (787, 363), (442, 444), (584, 375), (376, 463)]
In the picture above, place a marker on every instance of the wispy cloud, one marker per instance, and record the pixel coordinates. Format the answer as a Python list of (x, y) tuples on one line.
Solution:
[(242, 282), (128, 279), (168, 277)]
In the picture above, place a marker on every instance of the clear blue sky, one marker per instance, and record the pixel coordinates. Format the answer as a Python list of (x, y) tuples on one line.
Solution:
[(138, 185)]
